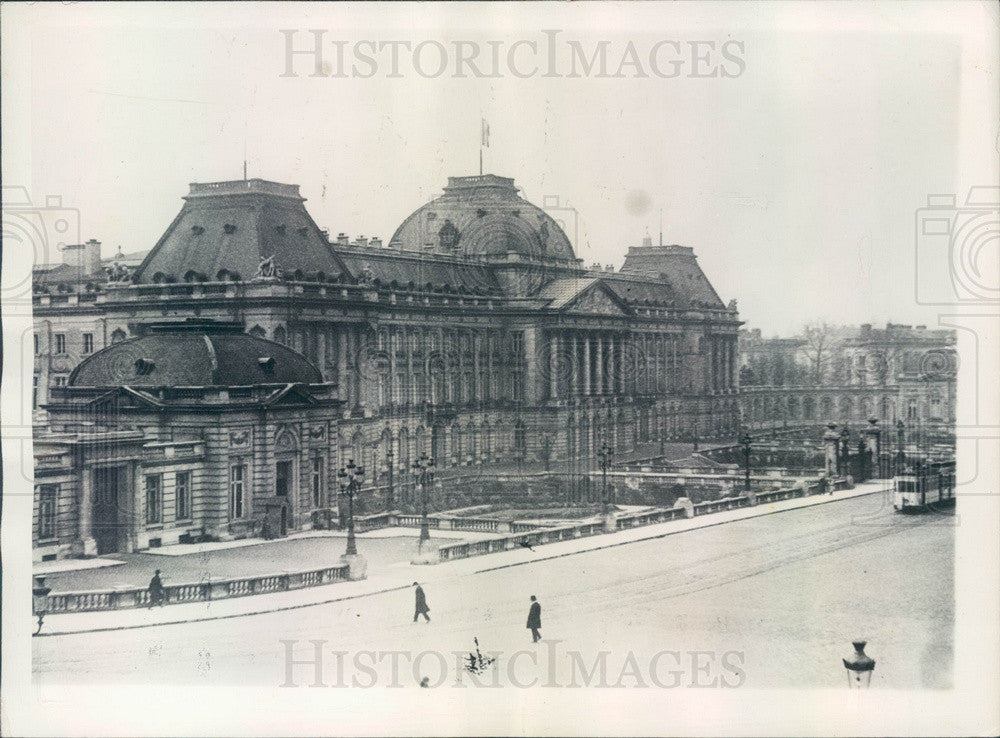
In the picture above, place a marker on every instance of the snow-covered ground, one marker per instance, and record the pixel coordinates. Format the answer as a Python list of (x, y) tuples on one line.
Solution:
[(763, 602)]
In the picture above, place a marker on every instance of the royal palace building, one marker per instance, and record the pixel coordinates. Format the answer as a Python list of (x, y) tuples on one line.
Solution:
[(474, 335)]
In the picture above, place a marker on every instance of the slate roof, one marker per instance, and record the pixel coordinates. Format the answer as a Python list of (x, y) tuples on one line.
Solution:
[(232, 225), (194, 353), (388, 266)]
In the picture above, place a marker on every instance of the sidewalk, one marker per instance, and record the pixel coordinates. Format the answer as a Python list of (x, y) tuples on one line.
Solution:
[(199, 562), (401, 575)]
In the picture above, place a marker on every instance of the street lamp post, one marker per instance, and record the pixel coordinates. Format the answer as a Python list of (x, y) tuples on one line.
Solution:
[(605, 453), (40, 601), (747, 441), (350, 480), (844, 452), (422, 470), (900, 446), (390, 502), (859, 666)]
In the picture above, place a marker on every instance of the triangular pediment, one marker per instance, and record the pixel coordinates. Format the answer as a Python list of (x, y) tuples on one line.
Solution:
[(597, 299)]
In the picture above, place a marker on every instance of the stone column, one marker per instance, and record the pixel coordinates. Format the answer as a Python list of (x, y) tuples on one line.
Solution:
[(532, 390), (599, 365), (360, 383), (574, 380), (321, 350), (612, 377), (553, 365), (343, 382), (650, 365), (586, 365), (85, 545), (621, 365)]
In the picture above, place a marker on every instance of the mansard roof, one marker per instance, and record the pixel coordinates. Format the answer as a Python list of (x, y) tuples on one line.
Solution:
[(676, 268), (227, 228), (194, 353)]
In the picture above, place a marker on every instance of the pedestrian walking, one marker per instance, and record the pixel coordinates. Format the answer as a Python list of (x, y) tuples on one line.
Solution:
[(535, 619), (421, 604), (156, 590)]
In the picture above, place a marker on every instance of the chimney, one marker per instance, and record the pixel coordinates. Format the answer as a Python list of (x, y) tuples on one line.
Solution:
[(609, 268), (362, 241), (342, 239), (376, 242), (595, 267), (85, 257), (647, 241)]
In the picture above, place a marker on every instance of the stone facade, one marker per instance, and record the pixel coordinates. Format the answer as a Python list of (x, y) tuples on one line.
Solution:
[(474, 335), (123, 465), (897, 373)]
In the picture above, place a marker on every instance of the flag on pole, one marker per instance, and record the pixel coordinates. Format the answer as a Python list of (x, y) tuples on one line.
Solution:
[(486, 134)]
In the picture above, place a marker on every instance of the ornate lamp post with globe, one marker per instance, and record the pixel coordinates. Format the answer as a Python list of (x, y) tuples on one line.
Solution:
[(424, 474), (747, 442), (605, 453), (350, 477)]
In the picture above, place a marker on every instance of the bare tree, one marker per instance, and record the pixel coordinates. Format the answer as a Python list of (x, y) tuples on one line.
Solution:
[(820, 342)]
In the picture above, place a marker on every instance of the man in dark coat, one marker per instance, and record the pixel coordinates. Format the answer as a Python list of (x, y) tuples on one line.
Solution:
[(421, 604), (156, 590), (535, 620)]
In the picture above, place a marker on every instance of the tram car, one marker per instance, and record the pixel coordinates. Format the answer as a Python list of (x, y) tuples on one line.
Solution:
[(930, 487)]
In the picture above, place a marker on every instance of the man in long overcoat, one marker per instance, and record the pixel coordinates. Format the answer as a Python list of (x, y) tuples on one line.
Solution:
[(421, 604), (156, 590), (535, 619)]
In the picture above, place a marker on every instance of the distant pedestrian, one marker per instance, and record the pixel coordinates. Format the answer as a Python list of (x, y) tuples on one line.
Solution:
[(535, 620), (156, 590), (421, 604)]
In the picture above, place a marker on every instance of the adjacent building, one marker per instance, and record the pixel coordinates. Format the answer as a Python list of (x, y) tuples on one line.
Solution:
[(848, 375)]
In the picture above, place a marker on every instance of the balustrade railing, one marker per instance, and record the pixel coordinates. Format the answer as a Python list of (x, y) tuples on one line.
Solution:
[(124, 598)]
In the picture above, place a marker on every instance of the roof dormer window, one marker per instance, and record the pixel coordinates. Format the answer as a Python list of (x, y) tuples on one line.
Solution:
[(144, 367), (266, 364)]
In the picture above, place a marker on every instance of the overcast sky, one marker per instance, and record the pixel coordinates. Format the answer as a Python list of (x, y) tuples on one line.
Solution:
[(796, 180)]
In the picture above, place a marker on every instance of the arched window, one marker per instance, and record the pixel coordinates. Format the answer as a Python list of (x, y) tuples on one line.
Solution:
[(280, 336), (118, 335)]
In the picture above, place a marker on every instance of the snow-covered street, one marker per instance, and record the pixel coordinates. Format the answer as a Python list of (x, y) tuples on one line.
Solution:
[(765, 602)]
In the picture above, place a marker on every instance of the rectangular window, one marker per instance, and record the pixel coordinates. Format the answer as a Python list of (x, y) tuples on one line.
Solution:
[(237, 490), (316, 481), (34, 391), (47, 495), (88, 343), (154, 499), (182, 495), (36, 344), (60, 380), (282, 478), (60, 343)]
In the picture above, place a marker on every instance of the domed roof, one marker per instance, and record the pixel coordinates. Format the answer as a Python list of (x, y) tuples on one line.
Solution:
[(194, 353), (483, 215)]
